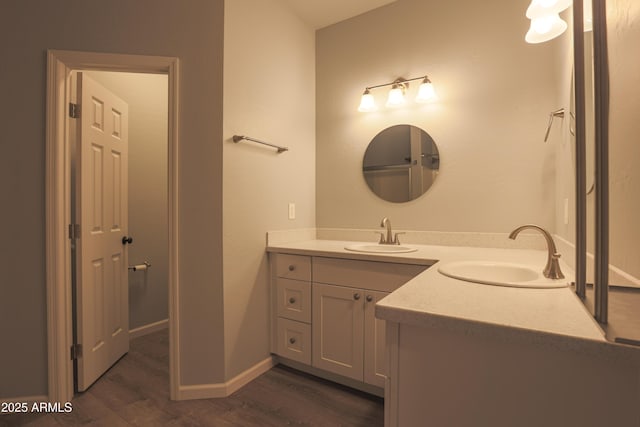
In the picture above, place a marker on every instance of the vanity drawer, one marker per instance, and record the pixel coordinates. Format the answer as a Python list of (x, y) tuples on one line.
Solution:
[(294, 299), (293, 266), (377, 276), (294, 340)]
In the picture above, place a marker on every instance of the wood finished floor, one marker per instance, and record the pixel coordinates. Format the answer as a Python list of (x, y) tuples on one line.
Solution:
[(135, 392)]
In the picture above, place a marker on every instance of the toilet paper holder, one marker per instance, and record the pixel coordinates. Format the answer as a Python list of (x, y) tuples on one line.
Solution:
[(140, 267)]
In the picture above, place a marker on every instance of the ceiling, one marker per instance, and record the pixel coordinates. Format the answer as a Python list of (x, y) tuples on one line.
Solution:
[(321, 13)]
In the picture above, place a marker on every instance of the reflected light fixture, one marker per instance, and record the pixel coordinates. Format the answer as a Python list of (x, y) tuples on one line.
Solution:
[(540, 8), (396, 97), (546, 23), (545, 28)]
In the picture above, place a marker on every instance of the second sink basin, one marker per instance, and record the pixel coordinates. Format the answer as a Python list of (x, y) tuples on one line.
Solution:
[(380, 249), (499, 274)]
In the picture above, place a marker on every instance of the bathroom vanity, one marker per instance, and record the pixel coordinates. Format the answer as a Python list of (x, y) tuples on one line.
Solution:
[(456, 353), (324, 313)]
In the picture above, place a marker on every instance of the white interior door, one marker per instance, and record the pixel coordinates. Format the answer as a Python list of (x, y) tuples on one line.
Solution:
[(102, 212)]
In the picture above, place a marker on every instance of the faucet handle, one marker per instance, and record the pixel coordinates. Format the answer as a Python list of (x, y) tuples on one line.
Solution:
[(396, 241), (382, 240)]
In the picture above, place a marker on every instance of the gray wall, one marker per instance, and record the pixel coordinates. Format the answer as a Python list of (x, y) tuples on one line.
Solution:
[(495, 90), (191, 30), (269, 94), (147, 97)]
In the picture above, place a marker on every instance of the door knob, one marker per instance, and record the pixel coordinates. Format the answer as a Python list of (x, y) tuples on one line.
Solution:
[(369, 298), (356, 296), (126, 240)]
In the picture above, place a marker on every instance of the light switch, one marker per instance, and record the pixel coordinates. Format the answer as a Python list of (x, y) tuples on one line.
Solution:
[(566, 211), (292, 211)]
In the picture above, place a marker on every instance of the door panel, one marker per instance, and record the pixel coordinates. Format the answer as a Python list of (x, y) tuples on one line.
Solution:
[(338, 330), (375, 360), (102, 212)]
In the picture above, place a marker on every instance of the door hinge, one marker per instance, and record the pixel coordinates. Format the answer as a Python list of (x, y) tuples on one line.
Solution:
[(76, 351), (74, 231), (74, 110)]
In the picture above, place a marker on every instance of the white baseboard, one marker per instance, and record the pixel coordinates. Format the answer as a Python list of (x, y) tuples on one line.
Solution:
[(208, 391), (148, 329)]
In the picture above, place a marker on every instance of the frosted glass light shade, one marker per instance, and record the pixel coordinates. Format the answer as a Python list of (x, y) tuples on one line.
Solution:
[(367, 103), (545, 28), (396, 96), (426, 92), (541, 8)]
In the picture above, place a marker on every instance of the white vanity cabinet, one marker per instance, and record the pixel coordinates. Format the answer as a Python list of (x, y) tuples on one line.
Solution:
[(347, 338), (324, 313)]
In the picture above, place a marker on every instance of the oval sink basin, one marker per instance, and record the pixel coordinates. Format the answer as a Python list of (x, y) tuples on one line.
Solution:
[(380, 249), (499, 274)]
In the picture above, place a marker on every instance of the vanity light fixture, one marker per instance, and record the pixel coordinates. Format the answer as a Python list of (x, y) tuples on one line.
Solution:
[(367, 103), (546, 23), (426, 92), (396, 94), (396, 97)]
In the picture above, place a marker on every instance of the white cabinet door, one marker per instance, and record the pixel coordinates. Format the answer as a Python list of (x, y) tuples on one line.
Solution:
[(337, 330), (103, 294), (375, 360)]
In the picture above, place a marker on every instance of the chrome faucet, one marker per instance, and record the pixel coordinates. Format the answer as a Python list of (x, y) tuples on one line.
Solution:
[(552, 269), (389, 239)]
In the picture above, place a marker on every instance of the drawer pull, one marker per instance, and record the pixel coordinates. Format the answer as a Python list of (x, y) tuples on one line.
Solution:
[(356, 296), (292, 267), (292, 340), (292, 300), (369, 298)]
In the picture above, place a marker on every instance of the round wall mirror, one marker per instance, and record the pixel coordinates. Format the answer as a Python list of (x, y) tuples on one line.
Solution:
[(401, 163)]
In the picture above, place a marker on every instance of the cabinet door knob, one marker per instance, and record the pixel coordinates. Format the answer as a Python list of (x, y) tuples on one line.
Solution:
[(292, 340), (356, 296), (369, 298), (292, 300), (292, 267)]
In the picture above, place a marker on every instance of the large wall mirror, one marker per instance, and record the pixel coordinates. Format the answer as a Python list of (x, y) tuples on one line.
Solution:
[(623, 203), (401, 163)]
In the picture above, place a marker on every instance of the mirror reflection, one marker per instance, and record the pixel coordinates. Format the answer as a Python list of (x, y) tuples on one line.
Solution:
[(589, 110), (401, 163)]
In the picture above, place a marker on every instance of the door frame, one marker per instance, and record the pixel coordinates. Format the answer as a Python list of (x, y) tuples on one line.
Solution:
[(60, 64)]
